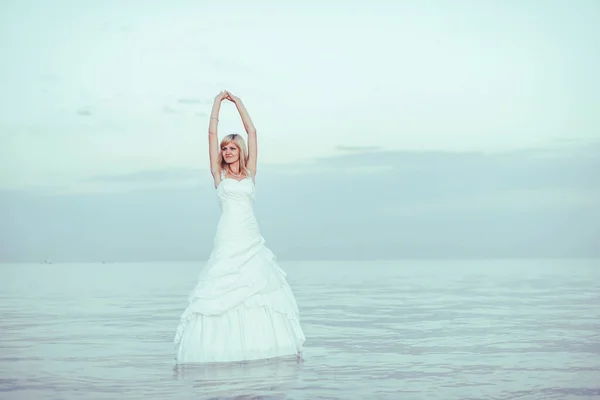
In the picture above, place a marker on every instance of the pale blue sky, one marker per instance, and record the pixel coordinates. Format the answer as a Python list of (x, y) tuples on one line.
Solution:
[(105, 98)]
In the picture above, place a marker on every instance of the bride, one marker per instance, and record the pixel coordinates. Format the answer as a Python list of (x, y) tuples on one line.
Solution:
[(242, 307)]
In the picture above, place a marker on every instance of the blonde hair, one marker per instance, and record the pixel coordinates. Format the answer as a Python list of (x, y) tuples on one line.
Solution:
[(241, 145)]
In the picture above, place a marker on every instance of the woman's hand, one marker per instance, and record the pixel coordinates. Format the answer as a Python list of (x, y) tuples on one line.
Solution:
[(221, 96), (231, 97)]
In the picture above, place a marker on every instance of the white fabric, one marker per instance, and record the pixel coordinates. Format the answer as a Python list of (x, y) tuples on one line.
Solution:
[(242, 307)]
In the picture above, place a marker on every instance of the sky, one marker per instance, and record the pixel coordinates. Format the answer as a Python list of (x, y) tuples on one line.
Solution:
[(386, 129)]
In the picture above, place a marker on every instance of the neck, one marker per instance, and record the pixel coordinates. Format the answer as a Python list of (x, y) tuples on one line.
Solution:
[(235, 168)]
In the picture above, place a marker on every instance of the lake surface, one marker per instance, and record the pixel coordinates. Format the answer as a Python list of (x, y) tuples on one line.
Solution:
[(527, 329)]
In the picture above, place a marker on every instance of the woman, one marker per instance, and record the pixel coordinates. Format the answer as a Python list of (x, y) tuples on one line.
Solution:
[(242, 307)]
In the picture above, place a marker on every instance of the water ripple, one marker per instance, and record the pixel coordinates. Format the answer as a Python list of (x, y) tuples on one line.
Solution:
[(404, 330)]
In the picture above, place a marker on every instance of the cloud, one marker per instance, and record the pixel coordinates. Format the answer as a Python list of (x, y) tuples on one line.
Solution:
[(169, 110), (573, 167), (359, 148), (419, 175), (154, 176), (194, 101), (359, 205), (83, 112)]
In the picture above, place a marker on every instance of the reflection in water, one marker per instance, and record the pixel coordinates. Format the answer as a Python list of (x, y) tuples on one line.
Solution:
[(265, 378)]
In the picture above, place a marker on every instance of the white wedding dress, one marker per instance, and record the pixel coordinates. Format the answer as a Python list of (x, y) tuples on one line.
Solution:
[(242, 307)]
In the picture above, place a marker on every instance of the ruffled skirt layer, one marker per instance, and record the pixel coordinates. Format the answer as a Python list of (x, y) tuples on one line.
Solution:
[(241, 309)]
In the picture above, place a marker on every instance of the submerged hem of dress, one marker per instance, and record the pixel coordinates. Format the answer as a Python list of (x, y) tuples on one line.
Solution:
[(284, 357)]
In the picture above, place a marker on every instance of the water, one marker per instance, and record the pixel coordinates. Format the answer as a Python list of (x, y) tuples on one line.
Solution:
[(375, 330)]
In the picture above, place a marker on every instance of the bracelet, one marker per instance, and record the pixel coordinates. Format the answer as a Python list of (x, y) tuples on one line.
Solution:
[(214, 118)]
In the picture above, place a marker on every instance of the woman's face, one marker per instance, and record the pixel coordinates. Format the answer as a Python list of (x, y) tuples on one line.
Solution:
[(230, 153)]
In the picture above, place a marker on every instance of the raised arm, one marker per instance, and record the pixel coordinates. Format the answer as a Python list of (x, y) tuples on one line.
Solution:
[(250, 130), (213, 138)]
